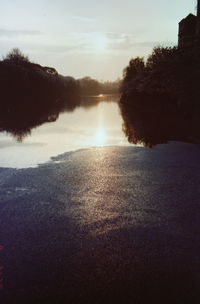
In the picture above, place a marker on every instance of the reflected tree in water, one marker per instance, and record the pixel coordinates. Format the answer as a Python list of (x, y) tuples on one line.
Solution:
[(32, 94), (160, 98)]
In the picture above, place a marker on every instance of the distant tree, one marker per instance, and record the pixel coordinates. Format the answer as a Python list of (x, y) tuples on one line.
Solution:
[(89, 85), (17, 56), (110, 87)]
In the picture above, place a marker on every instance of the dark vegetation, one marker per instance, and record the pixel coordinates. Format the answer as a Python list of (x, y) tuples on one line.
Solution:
[(89, 86), (160, 98), (32, 94)]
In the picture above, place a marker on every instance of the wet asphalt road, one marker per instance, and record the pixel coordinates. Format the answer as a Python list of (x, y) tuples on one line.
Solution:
[(103, 225)]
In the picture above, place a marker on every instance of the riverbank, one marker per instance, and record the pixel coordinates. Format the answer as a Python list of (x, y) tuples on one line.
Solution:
[(160, 97)]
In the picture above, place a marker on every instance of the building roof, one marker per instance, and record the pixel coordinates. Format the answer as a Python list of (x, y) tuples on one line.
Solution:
[(190, 18)]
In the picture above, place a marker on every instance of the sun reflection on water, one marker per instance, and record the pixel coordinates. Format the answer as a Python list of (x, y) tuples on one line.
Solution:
[(98, 188), (100, 137)]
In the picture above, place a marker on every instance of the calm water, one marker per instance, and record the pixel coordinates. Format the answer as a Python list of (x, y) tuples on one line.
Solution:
[(84, 127), (103, 225), (97, 225)]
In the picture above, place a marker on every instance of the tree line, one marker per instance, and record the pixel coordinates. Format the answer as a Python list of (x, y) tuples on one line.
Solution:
[(90, 86), (160, 97), (32, 94)]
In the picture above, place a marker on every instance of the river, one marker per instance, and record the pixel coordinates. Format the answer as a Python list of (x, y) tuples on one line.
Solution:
[(98, 221), (97, 125)]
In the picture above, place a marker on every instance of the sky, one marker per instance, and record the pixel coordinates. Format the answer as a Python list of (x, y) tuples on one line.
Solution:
[(89, 37)]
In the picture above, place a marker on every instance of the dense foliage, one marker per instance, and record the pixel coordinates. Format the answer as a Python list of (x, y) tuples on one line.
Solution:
[(32, 94), (161, 97), (90, 86)]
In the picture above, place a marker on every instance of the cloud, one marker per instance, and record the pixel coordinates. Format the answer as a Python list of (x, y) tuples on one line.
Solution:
[(58, 49), (121, 41), (61, 48), (117, 36), (87, 42), (154, 43), (16, 33)]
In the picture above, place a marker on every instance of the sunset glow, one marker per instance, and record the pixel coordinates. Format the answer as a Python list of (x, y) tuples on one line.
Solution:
[(100, 41), (75, 36), (99, 145), (100, 137)]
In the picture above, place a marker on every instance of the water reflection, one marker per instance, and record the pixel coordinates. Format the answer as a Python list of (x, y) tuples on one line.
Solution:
[(32, 95), (100, 137), (96, 124), (154, 118), (20, 120)]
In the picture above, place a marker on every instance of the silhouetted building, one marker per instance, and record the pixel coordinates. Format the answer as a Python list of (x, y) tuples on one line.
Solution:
[(189, 30)]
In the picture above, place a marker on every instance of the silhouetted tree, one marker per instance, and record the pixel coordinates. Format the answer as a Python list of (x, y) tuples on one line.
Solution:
[(161, 56), (32, 94), (135, 67), (160, 98), (16, 56), (89, 86)]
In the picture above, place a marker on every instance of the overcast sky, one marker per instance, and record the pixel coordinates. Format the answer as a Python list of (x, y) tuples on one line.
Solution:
[(89, 37)]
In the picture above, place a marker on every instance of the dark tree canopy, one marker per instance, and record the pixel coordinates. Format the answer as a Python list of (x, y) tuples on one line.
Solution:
[(16, 56), (32, 94), (135, 67), (160, 98)]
